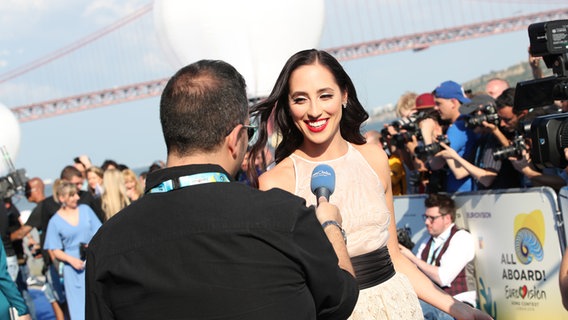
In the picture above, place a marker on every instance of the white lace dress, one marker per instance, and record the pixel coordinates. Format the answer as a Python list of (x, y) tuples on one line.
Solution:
[(360, 196)]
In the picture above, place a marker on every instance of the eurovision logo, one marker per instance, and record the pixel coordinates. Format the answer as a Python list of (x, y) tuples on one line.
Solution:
[(529, 237)]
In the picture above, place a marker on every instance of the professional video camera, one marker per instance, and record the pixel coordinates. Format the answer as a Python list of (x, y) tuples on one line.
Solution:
[(14, 181), (514, 150), (549, 133), (489, 114), (429, 150)]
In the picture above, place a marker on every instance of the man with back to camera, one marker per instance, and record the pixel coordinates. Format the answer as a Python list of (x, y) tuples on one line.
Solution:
[(199, 245), (449, 96), (446, 257)]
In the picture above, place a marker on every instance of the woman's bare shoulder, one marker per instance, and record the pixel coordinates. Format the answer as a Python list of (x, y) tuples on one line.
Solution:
[(280, 176), (372, 153)]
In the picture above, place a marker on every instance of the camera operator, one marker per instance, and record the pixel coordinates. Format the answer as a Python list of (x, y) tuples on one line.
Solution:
[(449, 97), (487, 171), (513, 124)]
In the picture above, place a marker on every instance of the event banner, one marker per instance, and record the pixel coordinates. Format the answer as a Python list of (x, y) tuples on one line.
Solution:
[(518, 251)]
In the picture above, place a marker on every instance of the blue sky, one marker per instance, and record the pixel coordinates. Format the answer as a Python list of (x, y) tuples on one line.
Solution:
[(130, 133)]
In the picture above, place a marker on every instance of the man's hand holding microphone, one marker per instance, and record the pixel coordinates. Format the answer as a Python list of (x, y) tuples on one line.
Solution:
[(322, 186)]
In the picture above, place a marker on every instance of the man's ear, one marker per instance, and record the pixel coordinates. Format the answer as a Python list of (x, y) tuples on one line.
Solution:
[(233, 141)]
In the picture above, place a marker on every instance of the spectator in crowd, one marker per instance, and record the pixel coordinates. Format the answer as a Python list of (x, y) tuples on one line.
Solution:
[(258, 162), (142, 179), (82, 163), (495, 86), (221, 249), (156, 165), (447, 256), (406, 104), (134, 189), (95, 181), (319, 116), (449, 97), (114, 196), (69, 231), (35, 193), (109, 164)]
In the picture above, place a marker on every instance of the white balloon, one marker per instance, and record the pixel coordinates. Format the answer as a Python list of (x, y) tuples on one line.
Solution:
[(9, 138), (255, 36)]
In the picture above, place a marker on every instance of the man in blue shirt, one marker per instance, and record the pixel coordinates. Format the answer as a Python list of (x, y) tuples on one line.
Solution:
[(449, 96)]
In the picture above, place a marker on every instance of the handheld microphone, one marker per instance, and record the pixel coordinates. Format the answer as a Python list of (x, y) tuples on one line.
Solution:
[(323, 181)]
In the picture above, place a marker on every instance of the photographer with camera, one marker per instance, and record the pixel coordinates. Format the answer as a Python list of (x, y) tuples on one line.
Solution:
[(513, 122), (449, 97), (432, 181), (404, 135), (487, 171)]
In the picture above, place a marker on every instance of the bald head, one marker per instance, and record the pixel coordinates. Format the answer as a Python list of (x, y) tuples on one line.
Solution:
[(495, 87), (35, 190)]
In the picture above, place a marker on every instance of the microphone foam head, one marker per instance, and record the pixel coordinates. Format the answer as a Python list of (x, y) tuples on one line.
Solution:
[(323, 176)]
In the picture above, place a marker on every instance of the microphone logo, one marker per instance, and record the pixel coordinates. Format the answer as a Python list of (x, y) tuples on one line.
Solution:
[(321, 174)]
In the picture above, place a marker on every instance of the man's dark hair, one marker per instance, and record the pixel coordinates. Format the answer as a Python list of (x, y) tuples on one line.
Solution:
[(108, 163), (69, 172), (445, 203), (507, 99), (200, 105)]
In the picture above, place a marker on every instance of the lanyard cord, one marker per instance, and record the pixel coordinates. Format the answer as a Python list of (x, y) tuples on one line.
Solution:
[(190, 180)]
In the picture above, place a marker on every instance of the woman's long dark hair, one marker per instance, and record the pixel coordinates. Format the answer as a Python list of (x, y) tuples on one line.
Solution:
[(276, 105)]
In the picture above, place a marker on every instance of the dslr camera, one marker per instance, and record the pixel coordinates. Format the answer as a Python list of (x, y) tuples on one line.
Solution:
[(549, 133), (514, 150), (488, 113), (423, 152), (406, 128)]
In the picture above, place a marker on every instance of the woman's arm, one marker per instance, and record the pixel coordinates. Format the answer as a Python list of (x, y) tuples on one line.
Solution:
[(466, 168), (76, 263)]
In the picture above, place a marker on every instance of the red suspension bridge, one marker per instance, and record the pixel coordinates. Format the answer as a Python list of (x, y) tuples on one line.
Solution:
[(358, 43)]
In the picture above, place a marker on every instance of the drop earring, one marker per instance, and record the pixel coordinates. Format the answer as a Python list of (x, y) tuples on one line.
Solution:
[(344, 105)]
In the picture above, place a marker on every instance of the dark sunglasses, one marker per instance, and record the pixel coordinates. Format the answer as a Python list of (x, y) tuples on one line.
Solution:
[(251, 131)]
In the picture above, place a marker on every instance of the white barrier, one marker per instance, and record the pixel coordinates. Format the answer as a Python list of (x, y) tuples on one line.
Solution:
[(519, 241)]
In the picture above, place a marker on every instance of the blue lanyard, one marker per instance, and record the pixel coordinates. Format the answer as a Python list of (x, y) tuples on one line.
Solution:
[(190, 180)]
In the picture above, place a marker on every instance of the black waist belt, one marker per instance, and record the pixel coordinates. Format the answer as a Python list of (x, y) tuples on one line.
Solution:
[(373, 268)]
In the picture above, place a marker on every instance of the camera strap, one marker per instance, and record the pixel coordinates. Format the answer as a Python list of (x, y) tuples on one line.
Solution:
[(190, 180)]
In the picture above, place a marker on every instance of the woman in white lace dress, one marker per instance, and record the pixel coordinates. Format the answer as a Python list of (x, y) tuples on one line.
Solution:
[(318, 116)]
